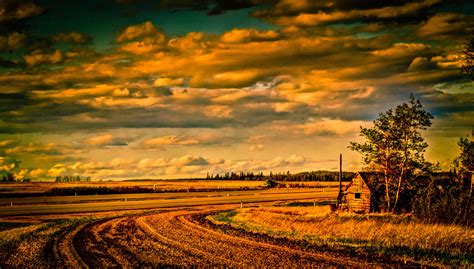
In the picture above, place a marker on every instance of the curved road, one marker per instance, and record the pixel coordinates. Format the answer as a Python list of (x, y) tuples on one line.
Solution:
[(173, 239)]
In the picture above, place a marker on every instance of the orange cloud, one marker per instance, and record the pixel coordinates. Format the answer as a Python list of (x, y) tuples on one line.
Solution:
[(402, 50), (22, 11), (38, 57), (248, 35), (443, 26), (304, 16), (169, 140), (139, 30), (166, 82), (332, 126), (11, 41)]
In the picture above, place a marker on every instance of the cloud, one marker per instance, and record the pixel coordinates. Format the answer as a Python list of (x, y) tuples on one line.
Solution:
[(57, 170), (71, 37), (443, 26), (306, 13), (248, 35), (12, 41), (421, 64), (332, 126), (218, 111), (295, 159), (39, 57), (167, 82), (141, 39), (106, 140), (9, 165), (169, 140), (38, 173), (39, 149), (258, 147), (402, 50), (181, 166), (210, 7), (13, 10), (6, 143), (132, 32)]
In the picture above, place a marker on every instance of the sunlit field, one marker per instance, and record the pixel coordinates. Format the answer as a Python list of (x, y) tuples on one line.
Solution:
[(149, 185), (399, 236)]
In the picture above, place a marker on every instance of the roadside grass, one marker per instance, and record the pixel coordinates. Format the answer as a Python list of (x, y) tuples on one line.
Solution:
[(308, 203), (399, 236), (7, 225)]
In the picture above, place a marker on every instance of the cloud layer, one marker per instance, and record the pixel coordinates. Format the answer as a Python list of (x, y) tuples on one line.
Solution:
[(300, 87)]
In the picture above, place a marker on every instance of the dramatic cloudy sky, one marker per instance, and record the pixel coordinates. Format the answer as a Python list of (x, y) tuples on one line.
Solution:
[(179, 88)]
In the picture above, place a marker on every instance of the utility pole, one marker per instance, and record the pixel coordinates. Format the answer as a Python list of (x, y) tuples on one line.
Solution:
[(339, 196)]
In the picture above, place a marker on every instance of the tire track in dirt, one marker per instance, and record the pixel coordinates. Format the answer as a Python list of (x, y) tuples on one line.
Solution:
[(173, 238), (64, 252)]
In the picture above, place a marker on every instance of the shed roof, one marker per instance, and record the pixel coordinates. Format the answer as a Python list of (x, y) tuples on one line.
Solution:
[(371, 179)]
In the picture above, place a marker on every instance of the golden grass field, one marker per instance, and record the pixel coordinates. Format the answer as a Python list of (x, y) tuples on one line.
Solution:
[(400, 236)]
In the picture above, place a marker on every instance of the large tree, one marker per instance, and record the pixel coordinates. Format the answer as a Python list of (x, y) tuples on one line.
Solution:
[(395, 147)]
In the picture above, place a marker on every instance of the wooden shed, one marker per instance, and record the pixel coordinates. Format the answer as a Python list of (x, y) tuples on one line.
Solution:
[(362, 194)]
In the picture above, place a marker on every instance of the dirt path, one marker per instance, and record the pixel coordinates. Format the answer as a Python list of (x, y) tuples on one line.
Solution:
[(175, 239), (64, 252)]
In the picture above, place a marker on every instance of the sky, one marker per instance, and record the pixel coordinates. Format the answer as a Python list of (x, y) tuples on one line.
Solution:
[(122, 89)]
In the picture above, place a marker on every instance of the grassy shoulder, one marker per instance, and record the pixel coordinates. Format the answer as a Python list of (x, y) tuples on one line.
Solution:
[(401, 238)]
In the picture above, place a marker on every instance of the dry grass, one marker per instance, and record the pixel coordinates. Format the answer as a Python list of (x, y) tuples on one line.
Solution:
[(313, 184), (389, 233)]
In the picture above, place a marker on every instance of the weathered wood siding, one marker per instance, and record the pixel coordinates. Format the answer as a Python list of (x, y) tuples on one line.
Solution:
[(361, 204)]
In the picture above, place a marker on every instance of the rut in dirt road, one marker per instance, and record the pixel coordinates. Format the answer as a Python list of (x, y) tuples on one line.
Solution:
[(171, 238)]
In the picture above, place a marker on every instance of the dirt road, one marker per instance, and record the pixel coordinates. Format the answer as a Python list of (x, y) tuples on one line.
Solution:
[(173, 238)]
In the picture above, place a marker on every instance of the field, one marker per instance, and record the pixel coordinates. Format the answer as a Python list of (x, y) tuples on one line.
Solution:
[(375, 235), (159, 185), (283, 227)]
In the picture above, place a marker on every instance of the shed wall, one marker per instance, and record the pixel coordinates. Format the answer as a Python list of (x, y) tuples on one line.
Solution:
[(361, 204)]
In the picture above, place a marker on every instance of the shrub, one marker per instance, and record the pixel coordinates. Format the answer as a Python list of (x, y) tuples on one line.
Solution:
[(444, 200)]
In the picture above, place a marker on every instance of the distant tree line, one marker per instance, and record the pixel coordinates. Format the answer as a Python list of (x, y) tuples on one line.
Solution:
[(73, 179), (281, 176)]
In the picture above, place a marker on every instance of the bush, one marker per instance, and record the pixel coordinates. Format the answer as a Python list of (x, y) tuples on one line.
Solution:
[(444, 200), (270, 183)]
